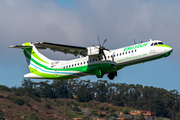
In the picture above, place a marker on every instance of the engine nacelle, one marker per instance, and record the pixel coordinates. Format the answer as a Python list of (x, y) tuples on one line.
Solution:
[(93, 50)]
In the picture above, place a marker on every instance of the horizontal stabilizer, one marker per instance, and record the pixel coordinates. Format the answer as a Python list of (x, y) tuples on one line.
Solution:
[(32, 76), (23, 47)]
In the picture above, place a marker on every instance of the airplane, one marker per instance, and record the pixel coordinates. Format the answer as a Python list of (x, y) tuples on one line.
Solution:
[(94, 60)]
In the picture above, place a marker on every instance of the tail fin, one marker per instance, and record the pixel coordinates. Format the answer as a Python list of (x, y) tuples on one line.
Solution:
[(34, 58)]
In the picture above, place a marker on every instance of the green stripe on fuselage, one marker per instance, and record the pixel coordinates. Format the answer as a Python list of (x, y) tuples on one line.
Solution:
[(163, 46), (31, 51), (90, 69)]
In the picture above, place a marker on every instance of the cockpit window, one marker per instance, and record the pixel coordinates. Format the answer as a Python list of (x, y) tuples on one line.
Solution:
[(160, 43), (155, 44)]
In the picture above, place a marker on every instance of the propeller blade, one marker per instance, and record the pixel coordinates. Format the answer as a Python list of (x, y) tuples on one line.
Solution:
[(95, 46), (104, 55), (107, 49), (104, 42), (98, 40), (100, 51)]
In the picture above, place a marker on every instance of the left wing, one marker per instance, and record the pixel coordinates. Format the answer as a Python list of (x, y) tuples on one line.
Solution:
[(75, 50)]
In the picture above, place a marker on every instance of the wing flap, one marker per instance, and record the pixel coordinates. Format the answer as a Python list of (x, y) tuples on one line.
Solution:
[(75, 50)]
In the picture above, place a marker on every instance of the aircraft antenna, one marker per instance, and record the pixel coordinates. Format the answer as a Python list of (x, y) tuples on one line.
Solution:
[(134, 41)]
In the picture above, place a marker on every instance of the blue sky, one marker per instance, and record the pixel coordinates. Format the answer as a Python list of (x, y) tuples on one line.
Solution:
[(79, 22)]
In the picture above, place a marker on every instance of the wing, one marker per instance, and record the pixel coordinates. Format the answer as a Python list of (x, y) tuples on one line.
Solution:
[(75, 50)]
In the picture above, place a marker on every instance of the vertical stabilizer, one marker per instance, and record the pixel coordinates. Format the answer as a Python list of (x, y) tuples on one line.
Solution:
[(35, 59)]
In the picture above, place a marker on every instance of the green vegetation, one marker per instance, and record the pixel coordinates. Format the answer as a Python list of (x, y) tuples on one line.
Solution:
[(33, 116), (47, 105), (125, 111), (112, 115), (4, 88), (18, 101), (96, 96), (94, 112), (1, 115), (76, 109)]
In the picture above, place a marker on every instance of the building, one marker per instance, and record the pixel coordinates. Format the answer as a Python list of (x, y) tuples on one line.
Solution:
[(146, 113)]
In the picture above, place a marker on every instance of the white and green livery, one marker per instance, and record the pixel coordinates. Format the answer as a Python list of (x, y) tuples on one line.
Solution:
[(96, 60)]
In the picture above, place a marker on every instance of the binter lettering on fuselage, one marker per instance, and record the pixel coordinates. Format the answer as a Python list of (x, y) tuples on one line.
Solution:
[(135, 46), (95, 60)]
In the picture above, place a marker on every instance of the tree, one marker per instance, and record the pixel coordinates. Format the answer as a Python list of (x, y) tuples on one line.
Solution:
[(60, 88), (178, 116), (46, 91), (94, 112), (139, 117), (125, 111), (83, 95), (76, 109), (101, 90), (4, 88), (112, 115), (157, 107), (18, 101)]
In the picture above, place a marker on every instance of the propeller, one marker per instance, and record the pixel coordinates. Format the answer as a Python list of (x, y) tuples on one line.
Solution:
[(101, 49)]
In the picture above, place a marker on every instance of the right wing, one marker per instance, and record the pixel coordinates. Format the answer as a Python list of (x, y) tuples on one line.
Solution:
[(75, 50)]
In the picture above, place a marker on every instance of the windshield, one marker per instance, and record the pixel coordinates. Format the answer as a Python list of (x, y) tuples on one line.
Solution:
[(157, 43), (160, 43)]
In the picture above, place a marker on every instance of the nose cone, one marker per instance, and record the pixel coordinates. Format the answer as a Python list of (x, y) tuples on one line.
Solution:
[(168, 49)]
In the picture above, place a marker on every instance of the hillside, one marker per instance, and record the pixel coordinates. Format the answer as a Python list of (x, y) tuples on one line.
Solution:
[(17, 107), (92, 100), (20, 107)]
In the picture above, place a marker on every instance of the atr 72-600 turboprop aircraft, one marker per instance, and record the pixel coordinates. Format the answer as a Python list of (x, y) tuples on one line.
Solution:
[(97, 60)]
